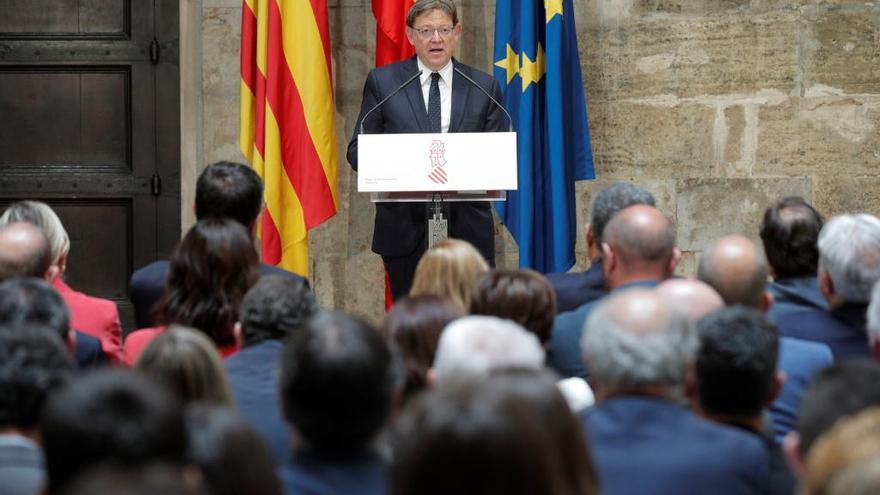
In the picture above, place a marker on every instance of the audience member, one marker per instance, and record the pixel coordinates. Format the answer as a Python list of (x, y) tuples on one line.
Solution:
[(637, 348), (638, 250), (505, 434), (736, 378), (577, 288), (874, 321), (849, 266), (522, 296), (790, 232), (736, 267), (415, 324), (338, 383), (33, 365), (110, 417), (210, 271), (690, 297), (186, 362), (271, 311), (846, 459), (223, 190), (94, 316), (230, 455), (449, 269)]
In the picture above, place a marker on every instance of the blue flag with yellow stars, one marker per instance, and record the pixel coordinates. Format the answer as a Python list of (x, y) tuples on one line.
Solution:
[(537, 65)]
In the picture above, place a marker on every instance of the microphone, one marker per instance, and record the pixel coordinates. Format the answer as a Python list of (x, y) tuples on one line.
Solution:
[(509, 119), (383, 100)]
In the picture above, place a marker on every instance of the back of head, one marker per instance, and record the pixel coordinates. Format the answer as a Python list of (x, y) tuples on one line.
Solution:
[(273, 308), (473, 346), (849, 251), (337, 381), (415, 324), (33, 300), (611, 200), (210, 271), (839, 390), (790, 231), (509, 434), (523, 296), (24, 251), (33, 365), (110, 417), (738, 350), (635, 340), (641, 237), (737, 269), (41, 215), (449, 269), (188, 363), (229, 190), (691, 297), (846, 459)]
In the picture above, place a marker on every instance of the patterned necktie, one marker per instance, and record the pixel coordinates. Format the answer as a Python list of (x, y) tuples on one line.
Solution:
[(434, 103)]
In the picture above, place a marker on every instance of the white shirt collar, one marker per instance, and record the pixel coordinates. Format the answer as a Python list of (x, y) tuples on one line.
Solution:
[(445, 72)]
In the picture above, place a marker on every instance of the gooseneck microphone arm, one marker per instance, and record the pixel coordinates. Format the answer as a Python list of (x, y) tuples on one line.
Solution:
[(499, 105), (383, 100)]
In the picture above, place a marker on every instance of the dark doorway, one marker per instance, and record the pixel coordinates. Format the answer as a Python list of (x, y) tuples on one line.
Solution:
[(89, 123)]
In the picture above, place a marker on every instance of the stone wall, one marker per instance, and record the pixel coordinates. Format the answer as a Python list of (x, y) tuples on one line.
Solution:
[(716, 106)]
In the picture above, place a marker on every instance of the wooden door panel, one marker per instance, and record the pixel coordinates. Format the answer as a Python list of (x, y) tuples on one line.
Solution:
[(63, 17)]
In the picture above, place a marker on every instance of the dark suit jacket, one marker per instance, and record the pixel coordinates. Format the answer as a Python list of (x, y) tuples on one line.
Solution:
[(357, 473), (843, 329), (400, 227), (578, 288), (88, 352), (148, 284), (799, 360), (253, 378), (794, 294), (649, 445)]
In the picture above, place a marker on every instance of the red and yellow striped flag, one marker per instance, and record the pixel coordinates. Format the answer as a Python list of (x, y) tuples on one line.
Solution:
[(288, 133)]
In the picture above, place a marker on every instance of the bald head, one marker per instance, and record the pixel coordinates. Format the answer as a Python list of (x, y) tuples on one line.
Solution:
[(24, 251), (639, 244), (737, 269), (693, 298)]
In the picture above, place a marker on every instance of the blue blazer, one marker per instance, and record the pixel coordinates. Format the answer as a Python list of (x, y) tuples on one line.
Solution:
[(799, 360), (794, 294), (88, 352), (843, 329), (400, 227), (578, 288), (357, 473), (649, 445)]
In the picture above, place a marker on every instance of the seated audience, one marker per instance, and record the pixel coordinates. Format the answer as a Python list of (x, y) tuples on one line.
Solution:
[(272, 310), (790, 232), (505, 434), (25, 252), (338, 383), (578, 288), (94, 316), (690, 297), (637, 349), (230, 456), (33, 365), (735, 266), (415, 324), (638, 250), (736, 378), (110, 418), (186, 361), (849, 266), (211, 269), (223, 190), (846, 459), (449, 269)]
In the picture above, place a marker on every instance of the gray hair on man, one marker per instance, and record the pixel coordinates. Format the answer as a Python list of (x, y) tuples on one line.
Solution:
[(849, 252), (636, 339), (611, 200), (473, 346), (422, 6)]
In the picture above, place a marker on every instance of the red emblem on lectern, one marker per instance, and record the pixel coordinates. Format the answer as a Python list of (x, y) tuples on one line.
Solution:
[(438, 160)]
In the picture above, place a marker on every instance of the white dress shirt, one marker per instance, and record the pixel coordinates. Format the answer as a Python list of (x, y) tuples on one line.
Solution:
[(445, 84)]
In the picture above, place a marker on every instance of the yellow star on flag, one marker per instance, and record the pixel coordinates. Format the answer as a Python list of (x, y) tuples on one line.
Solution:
[(510, 63), (532, 71), (552, 8)]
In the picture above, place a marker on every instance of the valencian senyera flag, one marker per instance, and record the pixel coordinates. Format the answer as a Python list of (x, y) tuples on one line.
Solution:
[(537, 65), (287, 122), (391, 42)]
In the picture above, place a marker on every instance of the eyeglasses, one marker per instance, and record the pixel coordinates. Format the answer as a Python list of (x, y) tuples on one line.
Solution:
[(427, 33)]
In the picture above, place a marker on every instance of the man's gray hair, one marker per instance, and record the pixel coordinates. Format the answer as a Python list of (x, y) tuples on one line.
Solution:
[(422, 6), (849, 251), (611, 200), (473, 346), (622, 357)]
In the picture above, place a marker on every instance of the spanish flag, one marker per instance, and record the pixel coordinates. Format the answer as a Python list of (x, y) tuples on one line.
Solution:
[(391, 42), (288, 132)]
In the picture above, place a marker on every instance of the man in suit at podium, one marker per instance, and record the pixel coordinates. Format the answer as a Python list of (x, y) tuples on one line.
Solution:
[(428, 93)]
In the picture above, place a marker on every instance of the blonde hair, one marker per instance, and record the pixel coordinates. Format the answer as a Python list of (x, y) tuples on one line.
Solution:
[(41, 215), (842, 457), (449, 269)]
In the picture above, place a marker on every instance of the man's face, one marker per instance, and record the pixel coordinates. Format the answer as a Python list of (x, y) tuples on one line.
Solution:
[(435, 49)]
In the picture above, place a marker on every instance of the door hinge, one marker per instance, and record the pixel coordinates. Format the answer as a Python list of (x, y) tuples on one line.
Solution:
[(154, 52), (156, 184)]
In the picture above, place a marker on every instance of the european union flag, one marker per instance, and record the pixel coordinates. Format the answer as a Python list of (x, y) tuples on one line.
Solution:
[(537, 65)]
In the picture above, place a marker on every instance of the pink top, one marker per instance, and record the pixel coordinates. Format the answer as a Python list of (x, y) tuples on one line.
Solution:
[(138, 340), (94, 316)]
